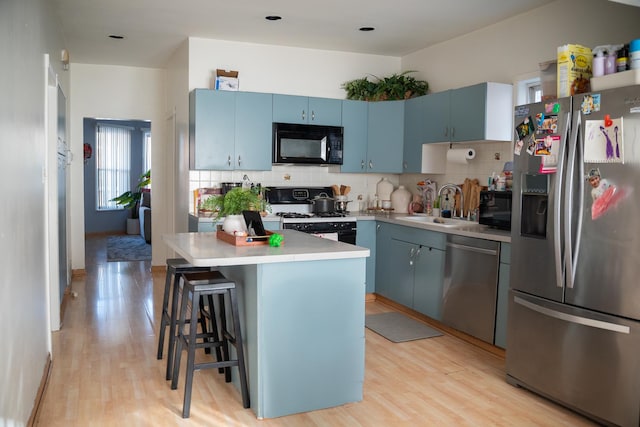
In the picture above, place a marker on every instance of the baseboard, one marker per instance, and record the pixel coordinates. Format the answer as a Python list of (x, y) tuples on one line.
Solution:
[(78, 273), (370, 297), (158, 268), (68, 294), (497, 351), (35, 412)]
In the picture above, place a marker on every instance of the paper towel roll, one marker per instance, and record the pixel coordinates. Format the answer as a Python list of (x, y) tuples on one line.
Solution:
[(460, 155)]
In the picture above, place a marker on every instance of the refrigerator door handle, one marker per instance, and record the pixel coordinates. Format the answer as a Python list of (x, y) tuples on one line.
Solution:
[(557, 245), (585, 321), (576, 247), (568, 203)]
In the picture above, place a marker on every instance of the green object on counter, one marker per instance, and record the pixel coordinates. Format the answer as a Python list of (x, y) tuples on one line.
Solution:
[(275, 240)]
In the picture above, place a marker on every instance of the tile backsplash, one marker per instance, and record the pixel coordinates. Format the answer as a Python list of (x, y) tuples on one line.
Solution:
[(362, 185), (490, 157)]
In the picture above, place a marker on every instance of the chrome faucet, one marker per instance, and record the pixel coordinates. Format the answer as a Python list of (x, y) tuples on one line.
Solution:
[(455, 188)]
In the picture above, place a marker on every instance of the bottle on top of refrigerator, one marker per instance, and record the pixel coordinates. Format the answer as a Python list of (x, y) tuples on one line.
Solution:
[(622, 61), (610, 61), (634, 54), (598, 61)]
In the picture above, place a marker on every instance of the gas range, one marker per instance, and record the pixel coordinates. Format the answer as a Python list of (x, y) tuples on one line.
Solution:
[(293, 206)]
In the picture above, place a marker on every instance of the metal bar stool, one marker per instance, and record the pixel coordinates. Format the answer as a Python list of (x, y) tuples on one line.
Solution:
[(175, 268), (196, 286)]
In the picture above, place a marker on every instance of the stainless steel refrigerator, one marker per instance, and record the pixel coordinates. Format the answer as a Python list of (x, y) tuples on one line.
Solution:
[(573, 330)]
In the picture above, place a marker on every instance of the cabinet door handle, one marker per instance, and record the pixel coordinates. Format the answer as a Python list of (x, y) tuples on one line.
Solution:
[(362, 165), (404, 165), (370, 164), (377, 227), (303, 115), (239, 160), (453, 132), (446, 131), (411, 254), (313, 115), (229, 160)]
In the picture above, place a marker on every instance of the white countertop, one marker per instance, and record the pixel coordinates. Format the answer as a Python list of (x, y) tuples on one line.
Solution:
[(205, 250), (472, 230)]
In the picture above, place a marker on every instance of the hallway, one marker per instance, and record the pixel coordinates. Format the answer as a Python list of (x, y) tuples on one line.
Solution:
[(105, 371)]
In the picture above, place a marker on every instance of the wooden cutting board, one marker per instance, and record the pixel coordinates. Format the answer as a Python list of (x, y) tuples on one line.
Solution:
[(471, 192)]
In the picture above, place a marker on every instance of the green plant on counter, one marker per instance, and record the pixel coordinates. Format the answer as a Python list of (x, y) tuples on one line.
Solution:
[(394, 87), (130, 199), (235, 201)]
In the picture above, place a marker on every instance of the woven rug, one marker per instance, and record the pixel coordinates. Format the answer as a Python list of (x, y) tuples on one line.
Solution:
[(397, 327), (128, 248)]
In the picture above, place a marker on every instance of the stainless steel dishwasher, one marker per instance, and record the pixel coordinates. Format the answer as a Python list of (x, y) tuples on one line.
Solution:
[(471, 285)]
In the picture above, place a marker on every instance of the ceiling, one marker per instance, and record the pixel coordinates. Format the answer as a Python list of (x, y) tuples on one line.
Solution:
[(153, 29)]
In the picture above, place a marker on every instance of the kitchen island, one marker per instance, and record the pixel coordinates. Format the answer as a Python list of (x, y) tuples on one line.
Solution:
[(302, 313)]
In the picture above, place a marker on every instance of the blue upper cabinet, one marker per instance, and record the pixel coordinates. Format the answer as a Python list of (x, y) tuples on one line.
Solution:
[(253, 131), (385, 137), (229, 130), (414, 134), (307, 110), (354, 120), (468, 111), (473, 113), (325, 111), (211, 129), (436, 117)]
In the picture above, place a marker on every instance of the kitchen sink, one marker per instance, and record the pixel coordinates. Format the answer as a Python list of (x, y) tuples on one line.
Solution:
[(439, 222)]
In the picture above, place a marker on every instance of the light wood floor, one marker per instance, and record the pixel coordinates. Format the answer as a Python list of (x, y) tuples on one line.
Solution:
[(105, 371)]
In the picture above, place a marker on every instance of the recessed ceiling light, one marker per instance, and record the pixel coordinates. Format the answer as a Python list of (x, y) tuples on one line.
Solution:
[(273, 18), (366, 29), (116, 36)]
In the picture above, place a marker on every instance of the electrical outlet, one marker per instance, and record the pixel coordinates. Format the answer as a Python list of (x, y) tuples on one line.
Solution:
[(496, 156)]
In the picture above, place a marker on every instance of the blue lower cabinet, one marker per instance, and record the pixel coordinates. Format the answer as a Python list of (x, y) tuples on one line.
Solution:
[(366, 237), (500, 339), (410, 267)]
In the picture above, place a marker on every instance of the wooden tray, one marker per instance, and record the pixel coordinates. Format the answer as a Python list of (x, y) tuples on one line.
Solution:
[(242, 240)]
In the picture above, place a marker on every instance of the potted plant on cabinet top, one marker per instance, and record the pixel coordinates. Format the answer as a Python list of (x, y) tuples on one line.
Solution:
[(230, 206), (131, 200), (394, 87)]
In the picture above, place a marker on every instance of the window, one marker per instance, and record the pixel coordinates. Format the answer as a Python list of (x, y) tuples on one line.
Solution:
[(146, 150), (535, 92), (113, 160), (529, 90)]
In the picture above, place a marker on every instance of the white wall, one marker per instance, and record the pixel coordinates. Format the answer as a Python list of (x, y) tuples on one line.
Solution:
[(178, 137), (116, 92), (28, 30), (286, 70), (514, 47)]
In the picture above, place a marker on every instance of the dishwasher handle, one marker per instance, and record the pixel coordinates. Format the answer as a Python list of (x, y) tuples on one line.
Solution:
[(472, 249)]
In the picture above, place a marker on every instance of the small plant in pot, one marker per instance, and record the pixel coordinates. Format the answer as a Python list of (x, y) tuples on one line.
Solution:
[(131, 199), (230, 206)]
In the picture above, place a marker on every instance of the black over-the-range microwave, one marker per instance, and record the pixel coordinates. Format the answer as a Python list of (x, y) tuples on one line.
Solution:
[(307, 144), (495, 209)]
